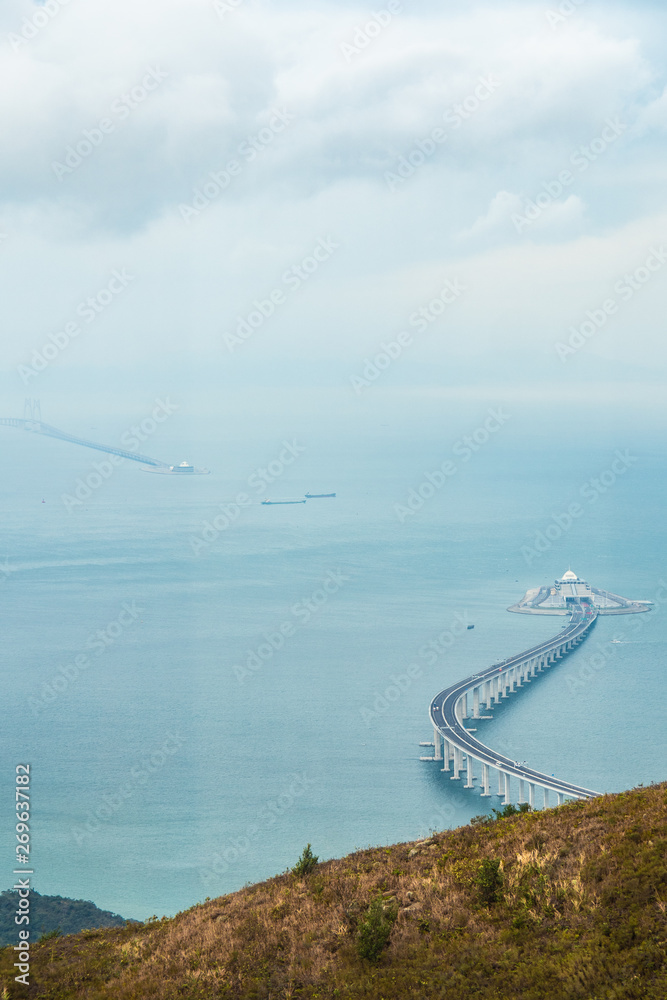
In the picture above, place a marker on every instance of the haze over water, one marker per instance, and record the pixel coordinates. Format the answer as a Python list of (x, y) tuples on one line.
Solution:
[(195, 763)]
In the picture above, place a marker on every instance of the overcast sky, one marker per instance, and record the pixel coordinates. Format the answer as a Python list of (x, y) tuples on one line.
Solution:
[(502, 159)]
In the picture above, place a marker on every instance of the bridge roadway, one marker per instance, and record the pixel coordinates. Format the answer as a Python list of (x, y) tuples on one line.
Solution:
[(37, 427), (449, 708)]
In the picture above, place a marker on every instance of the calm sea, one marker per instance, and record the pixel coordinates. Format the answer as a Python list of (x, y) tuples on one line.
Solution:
[(194, 712)]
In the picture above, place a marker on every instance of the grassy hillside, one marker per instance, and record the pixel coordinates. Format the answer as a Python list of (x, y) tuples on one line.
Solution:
[(552, 905), (51, 913)]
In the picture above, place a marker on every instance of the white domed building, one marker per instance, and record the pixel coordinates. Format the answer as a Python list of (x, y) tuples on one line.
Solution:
[(571, 589)]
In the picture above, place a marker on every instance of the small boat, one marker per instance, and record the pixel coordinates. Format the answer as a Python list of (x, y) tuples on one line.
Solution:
[(318, 496), (271, 503), (471, 626)]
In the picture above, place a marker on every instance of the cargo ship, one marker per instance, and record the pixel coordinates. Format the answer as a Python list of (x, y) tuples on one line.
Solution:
[(318, 496)]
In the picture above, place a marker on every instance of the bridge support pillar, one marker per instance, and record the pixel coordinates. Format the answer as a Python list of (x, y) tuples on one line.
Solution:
[(506, 800), (469, 775), (487, 694), (475, 703), (501, 782), (561, 798), (437, 743), (464, 703), (531, 794), (485, 781), (519, 679), (521, 795), (445, 755), (457, 764), (504, 678), (546, 798)]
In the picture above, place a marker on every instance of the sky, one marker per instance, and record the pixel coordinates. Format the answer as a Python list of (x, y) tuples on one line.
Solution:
[(247, 204)]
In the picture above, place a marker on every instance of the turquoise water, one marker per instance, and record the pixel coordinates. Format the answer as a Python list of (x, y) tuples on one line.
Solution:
[(167, 769)]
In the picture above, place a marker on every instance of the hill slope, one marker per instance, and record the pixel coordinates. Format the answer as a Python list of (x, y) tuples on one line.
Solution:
[(50, 913), (560, 904)]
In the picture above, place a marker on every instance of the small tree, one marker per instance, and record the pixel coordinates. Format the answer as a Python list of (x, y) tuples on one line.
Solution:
[(375, 930), (306, 862), (489, 880), (511, 810)]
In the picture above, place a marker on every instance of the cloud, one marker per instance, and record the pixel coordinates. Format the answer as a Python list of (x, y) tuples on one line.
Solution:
[(500, 211), (225, 76), (348, 122)]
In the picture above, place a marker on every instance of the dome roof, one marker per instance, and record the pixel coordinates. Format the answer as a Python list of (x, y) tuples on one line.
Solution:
[(568, 577)]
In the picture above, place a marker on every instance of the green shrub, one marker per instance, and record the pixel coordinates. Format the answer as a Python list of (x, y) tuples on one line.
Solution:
[(55, 933), (374, 932), (306, 862), (489, 880), (511, 810)]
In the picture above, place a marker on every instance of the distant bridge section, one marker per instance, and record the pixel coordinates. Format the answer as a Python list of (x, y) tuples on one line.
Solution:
[(37, 427), (32, 421)]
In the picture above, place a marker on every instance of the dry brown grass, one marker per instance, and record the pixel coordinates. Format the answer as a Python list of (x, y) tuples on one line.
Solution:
[(582, 910)]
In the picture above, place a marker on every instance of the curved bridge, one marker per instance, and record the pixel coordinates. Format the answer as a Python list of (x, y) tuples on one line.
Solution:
[(449, 709)]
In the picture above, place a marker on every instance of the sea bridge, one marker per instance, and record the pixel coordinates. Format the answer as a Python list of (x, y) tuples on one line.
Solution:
[(455, 744), (459, 750), (32, 421), (37, 427)]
